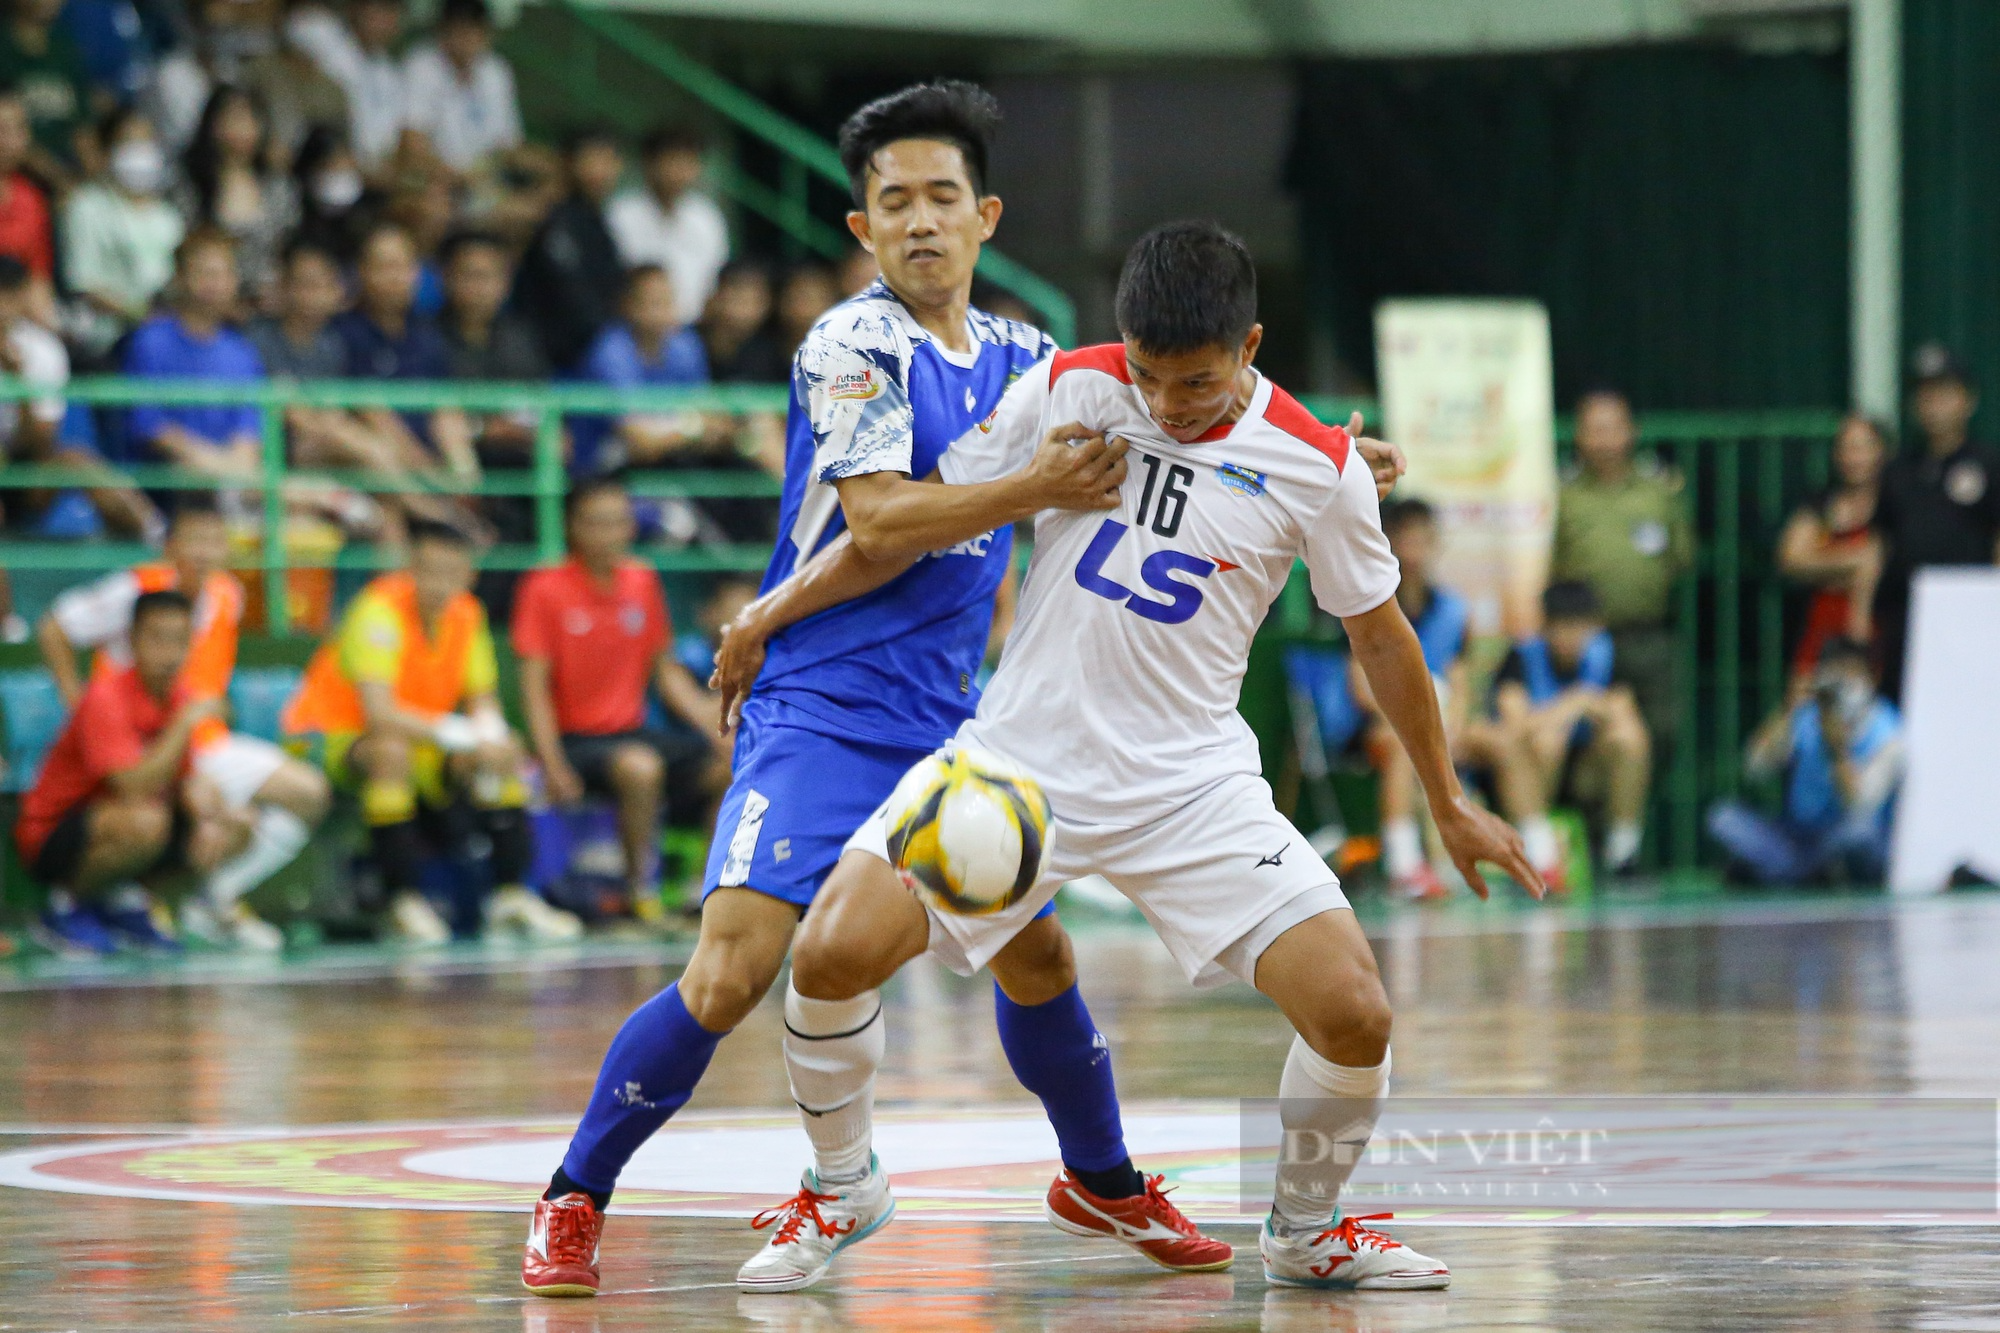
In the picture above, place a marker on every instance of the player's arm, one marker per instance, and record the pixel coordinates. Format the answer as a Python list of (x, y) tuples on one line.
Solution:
[(686, 699), (88, 616), (59, 655), (158, 765), (538, 707)]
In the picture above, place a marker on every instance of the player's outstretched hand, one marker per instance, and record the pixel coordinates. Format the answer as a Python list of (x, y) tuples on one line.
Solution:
[(1471, 835), (1075, 467), (1384, 459), (738, 659)]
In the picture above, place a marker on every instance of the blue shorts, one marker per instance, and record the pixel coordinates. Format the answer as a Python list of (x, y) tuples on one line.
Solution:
[(796, 798)]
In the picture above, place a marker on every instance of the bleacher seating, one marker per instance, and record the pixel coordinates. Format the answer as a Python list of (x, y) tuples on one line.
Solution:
[(34, 715)]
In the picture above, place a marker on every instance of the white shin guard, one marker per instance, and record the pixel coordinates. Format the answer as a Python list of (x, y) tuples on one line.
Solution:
[(276, 839), (832, 1049), (1328, 1113)]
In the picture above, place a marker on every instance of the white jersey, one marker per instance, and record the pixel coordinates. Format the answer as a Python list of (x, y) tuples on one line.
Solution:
[(1119, 683)]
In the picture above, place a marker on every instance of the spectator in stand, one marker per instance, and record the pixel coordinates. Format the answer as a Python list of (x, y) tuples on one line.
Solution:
[(192, 339), (570, 278), (1622, 527), (484, 341), (238, 42), (670, 221), (27, 232), (359, 53), (1838, 747), (735, 328), (120, 235), (227, 183), (1938, 507), (33, 431), (1561, 710), (858, 271), (298, 96), (807, 292), (647, 348), (40, 62), (119, 43), (115, 801), (592, 635), (333, 197), (461, 92), (424, 205), (387, 340), (1830, 543)]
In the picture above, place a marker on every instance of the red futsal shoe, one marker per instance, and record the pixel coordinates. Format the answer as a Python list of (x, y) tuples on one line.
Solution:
[(1148, 1222), (560, 1258)]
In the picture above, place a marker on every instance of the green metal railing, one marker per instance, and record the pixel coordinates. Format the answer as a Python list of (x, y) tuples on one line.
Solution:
[(805, 156)]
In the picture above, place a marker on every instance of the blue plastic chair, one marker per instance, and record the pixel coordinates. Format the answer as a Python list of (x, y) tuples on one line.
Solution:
[(35, 716), (257, 696)]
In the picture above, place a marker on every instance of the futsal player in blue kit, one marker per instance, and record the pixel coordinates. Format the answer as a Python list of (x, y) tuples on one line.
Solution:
[(847, 701)]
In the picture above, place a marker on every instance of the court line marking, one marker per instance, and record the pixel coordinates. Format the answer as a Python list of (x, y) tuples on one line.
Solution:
[(693, 1286)]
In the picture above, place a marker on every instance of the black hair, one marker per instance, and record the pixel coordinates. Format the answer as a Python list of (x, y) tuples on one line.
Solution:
[(1399, 513), (1571, 599), (1604, 389), (156, 602), (580, 137), (195, 504), (203, 161), (672, 139), (302, 245), (13, 274), (951, 111), (467, 238), (589, 489), (748, 267), (1841, 648), (116, 119), (1186, 286), (465, 11), (202, 236), (427, 530)]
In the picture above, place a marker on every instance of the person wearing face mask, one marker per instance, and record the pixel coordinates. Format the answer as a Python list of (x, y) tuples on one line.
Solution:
[(1838, 746), (331, 194), (119, 235)]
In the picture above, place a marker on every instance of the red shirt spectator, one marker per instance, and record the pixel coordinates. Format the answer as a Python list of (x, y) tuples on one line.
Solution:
[(25, 230), (601, 642), (114, 722)]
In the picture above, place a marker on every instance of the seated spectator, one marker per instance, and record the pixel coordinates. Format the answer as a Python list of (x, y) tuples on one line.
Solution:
[(34, 431), (297, 95), (422, 203), (27, 232), (807, 292), (403, 703), (486, 342), (192, 339), (333, 199), (115, 802), (461, 94), (120, 235), (280, 798), (39, 60), (593, 635), (647, 348), (1439, 616), (358, 52), (238, 42), (1578, 734), (228, 184), (857, 273), (1838, 745), (1831, 543), (118, 42), (570, 278), (735, 328), (670, 221), (386, 340)]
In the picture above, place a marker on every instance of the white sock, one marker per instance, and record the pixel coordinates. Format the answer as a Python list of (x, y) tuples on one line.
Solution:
[(1538, 837), (832, 1048), (277, 837), (1621, 843), (1402, 847), (1328, 1112)]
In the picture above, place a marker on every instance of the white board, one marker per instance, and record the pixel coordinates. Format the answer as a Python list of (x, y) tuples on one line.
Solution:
[(1950, 811)]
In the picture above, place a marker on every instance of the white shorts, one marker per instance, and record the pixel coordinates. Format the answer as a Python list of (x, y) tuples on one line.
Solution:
[(1220, 879), (239, 765)]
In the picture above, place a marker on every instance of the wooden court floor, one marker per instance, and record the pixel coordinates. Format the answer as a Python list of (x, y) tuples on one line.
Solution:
[(195, 1114)]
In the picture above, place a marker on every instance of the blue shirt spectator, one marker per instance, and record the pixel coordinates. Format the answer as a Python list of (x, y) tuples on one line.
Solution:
[(193, 341), (647, 348), (414, 351)]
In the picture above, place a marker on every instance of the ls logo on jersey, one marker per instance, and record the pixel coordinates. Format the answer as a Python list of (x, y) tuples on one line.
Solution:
[(1240, 481), (854, 386), (1157, 572)]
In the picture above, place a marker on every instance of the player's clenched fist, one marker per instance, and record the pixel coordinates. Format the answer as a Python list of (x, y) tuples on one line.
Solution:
[(1075, 467)]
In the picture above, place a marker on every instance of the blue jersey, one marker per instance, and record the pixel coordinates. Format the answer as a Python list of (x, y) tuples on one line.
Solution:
[(873, 391)]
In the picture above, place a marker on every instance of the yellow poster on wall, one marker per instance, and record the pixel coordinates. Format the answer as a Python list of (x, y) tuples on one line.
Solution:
[(1467, 390)]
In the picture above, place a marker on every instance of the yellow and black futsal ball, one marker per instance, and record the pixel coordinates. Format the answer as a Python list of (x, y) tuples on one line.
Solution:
[(968, 831)]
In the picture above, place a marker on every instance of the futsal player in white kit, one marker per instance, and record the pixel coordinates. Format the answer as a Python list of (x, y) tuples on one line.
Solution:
[(1117, 693)]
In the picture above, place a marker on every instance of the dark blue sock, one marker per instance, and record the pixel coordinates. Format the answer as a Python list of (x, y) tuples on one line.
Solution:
[(648, 1074), (1058, 1055)]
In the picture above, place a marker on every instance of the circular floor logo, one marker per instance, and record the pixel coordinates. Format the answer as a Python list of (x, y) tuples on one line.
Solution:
[(957, 1164)]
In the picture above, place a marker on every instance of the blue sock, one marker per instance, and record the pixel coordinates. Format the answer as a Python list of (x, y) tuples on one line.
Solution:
[(648, 1074), (1058, 1055)]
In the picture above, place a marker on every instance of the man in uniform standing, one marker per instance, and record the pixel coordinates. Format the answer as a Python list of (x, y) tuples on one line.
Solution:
[(1938, 507), (1622, 527)]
